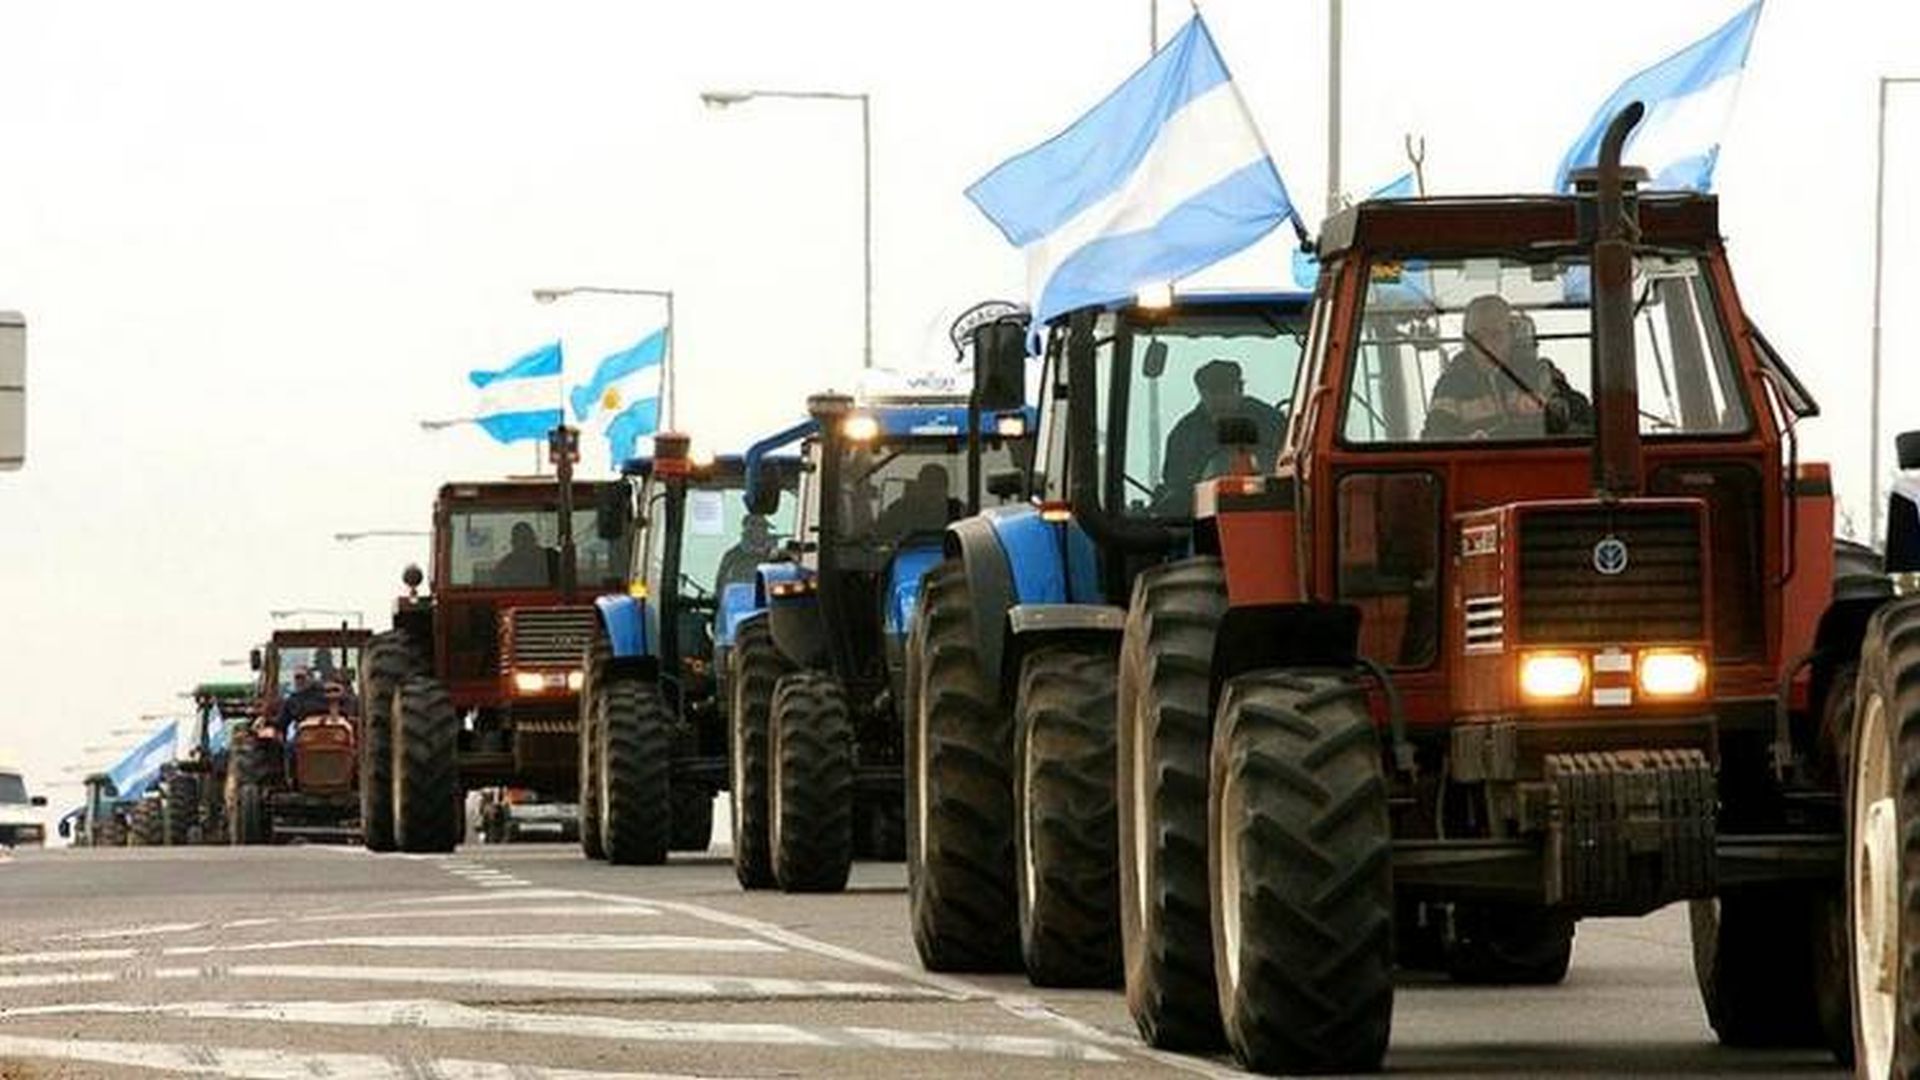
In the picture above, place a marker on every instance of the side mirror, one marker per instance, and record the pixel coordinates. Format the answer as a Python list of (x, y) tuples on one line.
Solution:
[(764, 498), (1000, 364), (611, 511), (1154, 363), (1906, 448), (1006, 485), (255, 659), (37, 800)]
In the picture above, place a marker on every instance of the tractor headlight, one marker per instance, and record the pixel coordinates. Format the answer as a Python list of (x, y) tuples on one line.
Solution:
[(529, 682), (1552, 676), (576, 680), (1010, 426), (1671, 673), (860, 428)]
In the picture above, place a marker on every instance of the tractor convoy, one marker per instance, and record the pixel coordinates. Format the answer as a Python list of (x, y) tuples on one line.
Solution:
[(1235, 650)]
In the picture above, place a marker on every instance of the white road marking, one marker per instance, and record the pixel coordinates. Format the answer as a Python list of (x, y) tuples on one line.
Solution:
[(618, 982), (450, 1016), (63, 978), (68, 956), (247, 924), (544, 942), (133, 931), (490, 898), (258, 1064), (596, 911)]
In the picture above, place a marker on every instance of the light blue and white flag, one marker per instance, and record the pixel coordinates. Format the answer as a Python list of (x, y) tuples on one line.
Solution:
[(1689, 99), (623, 397), (1166, 176), (1306, 266), (140, 769), (522, 400)]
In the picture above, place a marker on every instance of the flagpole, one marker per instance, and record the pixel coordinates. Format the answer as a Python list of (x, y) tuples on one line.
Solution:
[(1333, 106), (1874, 508)]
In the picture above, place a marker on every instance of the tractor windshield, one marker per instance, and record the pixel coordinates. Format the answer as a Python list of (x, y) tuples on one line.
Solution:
[(519, 548), (331, 663), (720, 544), (1500, 348), (1168, 380), (894, 490)]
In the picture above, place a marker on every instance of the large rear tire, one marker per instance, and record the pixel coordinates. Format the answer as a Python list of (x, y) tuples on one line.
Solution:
[(1301, 874), (812, 784), (426, 767), (757, 665), (636, 751), (1883, 876), (1065, 840), (250, 824), (588, 795), (111, 832), (178, 813), (960, 822), (390, 660), (146, 828), (1163, 734), (250, 768)]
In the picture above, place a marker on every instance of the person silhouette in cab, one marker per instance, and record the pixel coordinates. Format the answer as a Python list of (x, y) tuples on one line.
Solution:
[(1193, 446), (526, 565)]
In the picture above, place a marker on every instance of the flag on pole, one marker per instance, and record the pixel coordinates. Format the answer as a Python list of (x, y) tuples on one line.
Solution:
[(1689, 99), (623, 397), (1166, 176), (522, 400), (138, 771), (1306, 265)]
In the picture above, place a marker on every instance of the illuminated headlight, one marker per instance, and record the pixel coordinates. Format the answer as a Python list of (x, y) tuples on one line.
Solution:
[(1552, 676), (799, 587), (1672, 673), (529, 682), (860, 428), (576, 680), (541, 682), (1012, 426), (1156, 297)]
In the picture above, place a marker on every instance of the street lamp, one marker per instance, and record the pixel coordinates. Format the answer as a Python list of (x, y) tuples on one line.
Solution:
[(548, 296), (359, 617), (362, 534), (1879, 267), (721, 99)]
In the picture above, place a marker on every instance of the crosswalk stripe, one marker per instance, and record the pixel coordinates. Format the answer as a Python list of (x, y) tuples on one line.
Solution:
[(451, 1016), (66, 956), (552, 942), (151, 930), (262, 1064), (614, 911), (639, 983)]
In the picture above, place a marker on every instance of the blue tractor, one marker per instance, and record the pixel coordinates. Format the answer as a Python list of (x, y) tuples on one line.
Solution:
[(1014, 777), (817, 662), (654, 742)]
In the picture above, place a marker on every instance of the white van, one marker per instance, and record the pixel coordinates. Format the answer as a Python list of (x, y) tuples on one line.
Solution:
[(19, 814)]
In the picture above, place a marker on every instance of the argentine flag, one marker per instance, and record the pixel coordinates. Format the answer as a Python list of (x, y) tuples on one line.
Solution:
[(522, 400), (138, 771), (623, 397), (1166, 176), (1689, 98)]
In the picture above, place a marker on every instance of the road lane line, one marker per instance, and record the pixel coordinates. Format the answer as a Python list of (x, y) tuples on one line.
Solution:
[(150, 930), (59, 978), (731, 987), (488, 898), (543, 942), (452, 1016), (260, 1064), (597, 911), (68, 956), (1020, 1005), (247, 924)]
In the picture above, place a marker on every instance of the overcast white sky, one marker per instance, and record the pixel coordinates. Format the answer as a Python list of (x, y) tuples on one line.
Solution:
[(257, 242)]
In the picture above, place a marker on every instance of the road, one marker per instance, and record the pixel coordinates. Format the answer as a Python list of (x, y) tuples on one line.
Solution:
[(528, 962)]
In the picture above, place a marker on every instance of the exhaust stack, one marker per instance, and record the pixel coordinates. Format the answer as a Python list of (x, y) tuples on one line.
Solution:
[(1616, 389)]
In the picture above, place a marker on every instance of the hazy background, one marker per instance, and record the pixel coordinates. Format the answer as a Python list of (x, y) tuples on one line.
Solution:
[(256, 243)]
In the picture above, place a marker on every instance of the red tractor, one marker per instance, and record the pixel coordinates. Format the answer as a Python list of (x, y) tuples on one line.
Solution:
[(478, 683), (1539, 616), (291, 771)]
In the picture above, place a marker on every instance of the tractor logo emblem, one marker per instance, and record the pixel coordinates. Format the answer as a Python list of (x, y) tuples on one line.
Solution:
[(1610, 556)]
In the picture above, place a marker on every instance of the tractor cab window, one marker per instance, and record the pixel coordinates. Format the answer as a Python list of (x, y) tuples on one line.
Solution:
[(331, 663), (1500, 348), (500, 548), (895, 491), (1168, 382), (721, 543)]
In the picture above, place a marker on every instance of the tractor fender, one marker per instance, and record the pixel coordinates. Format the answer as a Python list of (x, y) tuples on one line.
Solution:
[(1903, 526), (990, 584), (904, 574), (794, 620), (1255, 637), (1031, 626), (624, 618), (736, 603)]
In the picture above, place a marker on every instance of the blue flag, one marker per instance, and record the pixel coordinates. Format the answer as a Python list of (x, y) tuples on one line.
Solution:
[(623, 397), (1306, 267), (521, 401), (140, 769), (1689, 98), (1165, 177)]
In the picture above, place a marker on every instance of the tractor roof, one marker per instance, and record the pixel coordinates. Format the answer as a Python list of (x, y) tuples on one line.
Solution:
[(1465, 225), (338, 635), (515, 492)]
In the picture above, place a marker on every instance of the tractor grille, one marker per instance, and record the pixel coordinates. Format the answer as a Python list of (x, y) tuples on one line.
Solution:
[(1566, 599), (547, 637)]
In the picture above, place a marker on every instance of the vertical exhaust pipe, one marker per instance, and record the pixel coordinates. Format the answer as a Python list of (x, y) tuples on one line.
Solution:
[(1616, 388)]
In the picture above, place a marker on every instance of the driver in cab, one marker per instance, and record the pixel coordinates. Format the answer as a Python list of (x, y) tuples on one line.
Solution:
[(1499, 386), (1193, 446)]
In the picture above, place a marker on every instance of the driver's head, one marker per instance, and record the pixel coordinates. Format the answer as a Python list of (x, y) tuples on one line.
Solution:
[(1488, 327), (755, 531), (1221, 387), (302, 677), (931, 481), (1523, 340), (524, 537)]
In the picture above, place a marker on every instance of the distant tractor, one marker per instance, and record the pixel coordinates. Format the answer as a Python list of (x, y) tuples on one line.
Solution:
[(654, 747), (293, 771), (194, 787), (818, 670), (517, 815), (98, 820), (1538, 616), (477, 685)]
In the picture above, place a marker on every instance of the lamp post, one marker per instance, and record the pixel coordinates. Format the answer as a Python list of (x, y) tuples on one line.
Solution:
[(721, 99), (1875, 508), (359, 617), (363, 534), (548, 296)]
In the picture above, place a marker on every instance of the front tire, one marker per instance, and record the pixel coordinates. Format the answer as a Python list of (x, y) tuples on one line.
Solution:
[(1163, 734), (426, 767), (757, 666), (389, 661), (1065, 841), (588, 735), (1301, 876), (812, 784), (636, 750), (1509, 945), (177, 811), (1883, 880), (959, 742)]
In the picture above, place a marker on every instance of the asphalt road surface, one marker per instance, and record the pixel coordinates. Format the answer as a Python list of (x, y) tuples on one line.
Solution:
[(528, 962)]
